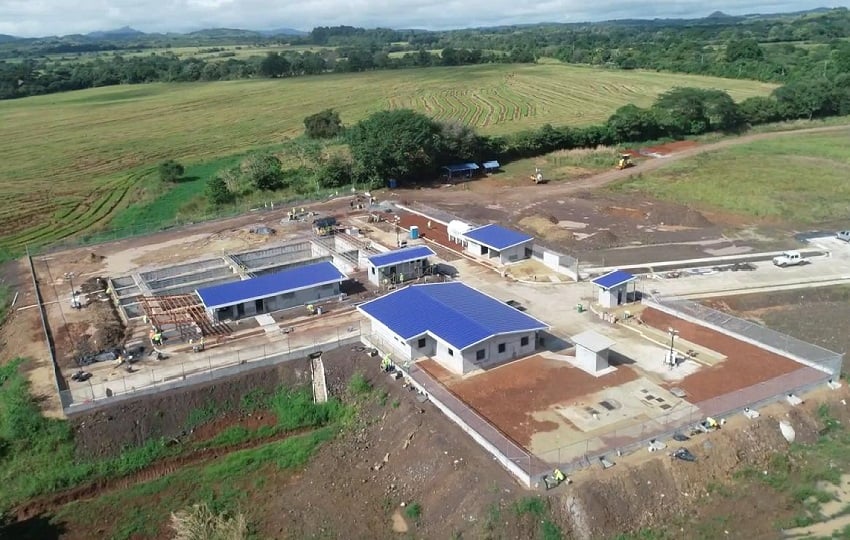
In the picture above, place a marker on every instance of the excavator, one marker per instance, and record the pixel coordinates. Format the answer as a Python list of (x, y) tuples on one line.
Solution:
[(625, 162)]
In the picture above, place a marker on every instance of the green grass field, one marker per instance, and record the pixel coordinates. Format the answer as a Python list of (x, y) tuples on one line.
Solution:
[(796, 179), (72, 160)]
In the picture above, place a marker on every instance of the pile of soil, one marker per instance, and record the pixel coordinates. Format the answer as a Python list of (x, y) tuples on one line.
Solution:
[(678, 216), (545, 228), (604, 239)]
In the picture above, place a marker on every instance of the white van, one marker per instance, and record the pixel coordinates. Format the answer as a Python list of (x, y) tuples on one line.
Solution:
[(843, 235)]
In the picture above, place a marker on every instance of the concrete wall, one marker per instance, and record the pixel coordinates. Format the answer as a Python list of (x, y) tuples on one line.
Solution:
[(614, 296), (409, 270), (279, 302), (553, 261)]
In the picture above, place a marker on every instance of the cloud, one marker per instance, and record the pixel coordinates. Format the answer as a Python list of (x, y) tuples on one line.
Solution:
[(57, 17)]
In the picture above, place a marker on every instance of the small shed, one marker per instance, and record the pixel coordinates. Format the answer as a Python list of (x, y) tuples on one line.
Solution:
[(399, 265), (461, 170), (491, 166), (614, 288), (592, 351), (496, 242)]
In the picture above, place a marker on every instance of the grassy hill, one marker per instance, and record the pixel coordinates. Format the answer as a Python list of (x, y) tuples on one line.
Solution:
[(71, 160)]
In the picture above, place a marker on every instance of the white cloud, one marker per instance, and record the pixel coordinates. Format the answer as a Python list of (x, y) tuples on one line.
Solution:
[(58, 17)]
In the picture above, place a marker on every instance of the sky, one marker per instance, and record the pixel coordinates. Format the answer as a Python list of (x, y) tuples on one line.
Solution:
[(31, 18)]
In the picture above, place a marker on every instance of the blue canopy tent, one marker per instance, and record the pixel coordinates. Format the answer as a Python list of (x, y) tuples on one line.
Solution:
[(491, 166), (463, 169)]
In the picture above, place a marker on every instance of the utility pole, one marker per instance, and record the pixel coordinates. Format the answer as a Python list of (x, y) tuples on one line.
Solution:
[(673, 333), (70, 277)]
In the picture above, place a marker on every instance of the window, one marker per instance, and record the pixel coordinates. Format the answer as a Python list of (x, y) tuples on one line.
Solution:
[(479, 354), (523, 342), (502, 347), (451, 352), (373, 270), (421, 343)]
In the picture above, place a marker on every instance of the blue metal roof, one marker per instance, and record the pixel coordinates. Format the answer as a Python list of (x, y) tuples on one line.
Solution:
[(612, 279), (491, 165), (294, 279), (497, 237), (454, 312), (399, 256), (462, 167)]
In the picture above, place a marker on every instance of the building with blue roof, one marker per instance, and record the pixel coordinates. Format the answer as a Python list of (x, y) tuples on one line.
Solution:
[(614, 288), (298, 286), (496, 242), (458, 326), (461, 170), (399, 265)]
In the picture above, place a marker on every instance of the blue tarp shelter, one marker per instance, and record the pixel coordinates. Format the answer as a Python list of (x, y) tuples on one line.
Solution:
[(491, 166), (461, 169)]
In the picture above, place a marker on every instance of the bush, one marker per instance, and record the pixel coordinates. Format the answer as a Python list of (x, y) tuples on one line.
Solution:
[(170, 171), (414, 512), (323, 125), (358, 385)]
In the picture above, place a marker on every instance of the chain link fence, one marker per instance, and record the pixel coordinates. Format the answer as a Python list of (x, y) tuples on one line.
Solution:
[(755, 334), (201, 367)]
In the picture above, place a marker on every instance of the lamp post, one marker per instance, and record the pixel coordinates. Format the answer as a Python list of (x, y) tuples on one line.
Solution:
[(673, 333), (70, 277), (397, 231)]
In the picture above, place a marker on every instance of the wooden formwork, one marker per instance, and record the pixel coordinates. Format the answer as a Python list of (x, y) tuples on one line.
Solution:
[(185, 313)]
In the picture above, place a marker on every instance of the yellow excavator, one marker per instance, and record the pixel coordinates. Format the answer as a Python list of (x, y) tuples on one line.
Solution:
[(625, 162)]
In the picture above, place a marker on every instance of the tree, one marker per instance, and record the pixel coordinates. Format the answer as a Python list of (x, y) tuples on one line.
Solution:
[(170, 171), (631, 123), (400, 144), (201, 523), (681, 111), (217, 192), (323, 125), (335, 172), (743, 49), (760, 110), (274, 65), (263, 171)]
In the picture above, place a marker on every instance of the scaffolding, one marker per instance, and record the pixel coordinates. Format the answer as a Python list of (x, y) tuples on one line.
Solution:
[(185, 314)]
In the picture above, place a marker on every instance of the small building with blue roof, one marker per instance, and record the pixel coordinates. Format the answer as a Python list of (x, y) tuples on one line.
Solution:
[(294, 287), (460, 327), (399, 265), (614, 288), (496, 242)]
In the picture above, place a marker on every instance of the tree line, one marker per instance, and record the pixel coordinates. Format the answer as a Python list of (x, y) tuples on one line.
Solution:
[(410, 147), (31, 77), (772, 48)]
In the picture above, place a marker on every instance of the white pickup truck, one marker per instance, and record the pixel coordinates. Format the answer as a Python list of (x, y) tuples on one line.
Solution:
[(788, 258)]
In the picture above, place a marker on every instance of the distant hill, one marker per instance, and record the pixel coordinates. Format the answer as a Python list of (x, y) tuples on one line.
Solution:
[(6, 38), (284, 32), (123, 32)]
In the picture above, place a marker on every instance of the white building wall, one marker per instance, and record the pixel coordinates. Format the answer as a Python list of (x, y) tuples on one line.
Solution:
[(462, 362), (516, 253), (389, 340), (591, 361), (279, 302), (613, 297), (410, 270)]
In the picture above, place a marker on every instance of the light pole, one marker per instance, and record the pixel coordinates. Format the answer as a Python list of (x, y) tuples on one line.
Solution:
[(673, 333), (397, 231), (70, 277)]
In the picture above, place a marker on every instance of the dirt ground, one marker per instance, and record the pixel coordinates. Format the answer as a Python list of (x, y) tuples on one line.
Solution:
[(534, 384), (744, 366), (812, 315)]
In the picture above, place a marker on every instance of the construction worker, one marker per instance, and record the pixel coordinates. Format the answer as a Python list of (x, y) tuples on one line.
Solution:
[(558, 476), (429, 223), (386, 363), (311, 309)]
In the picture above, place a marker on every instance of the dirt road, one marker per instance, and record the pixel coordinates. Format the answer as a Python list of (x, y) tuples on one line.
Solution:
[(589, 183)]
